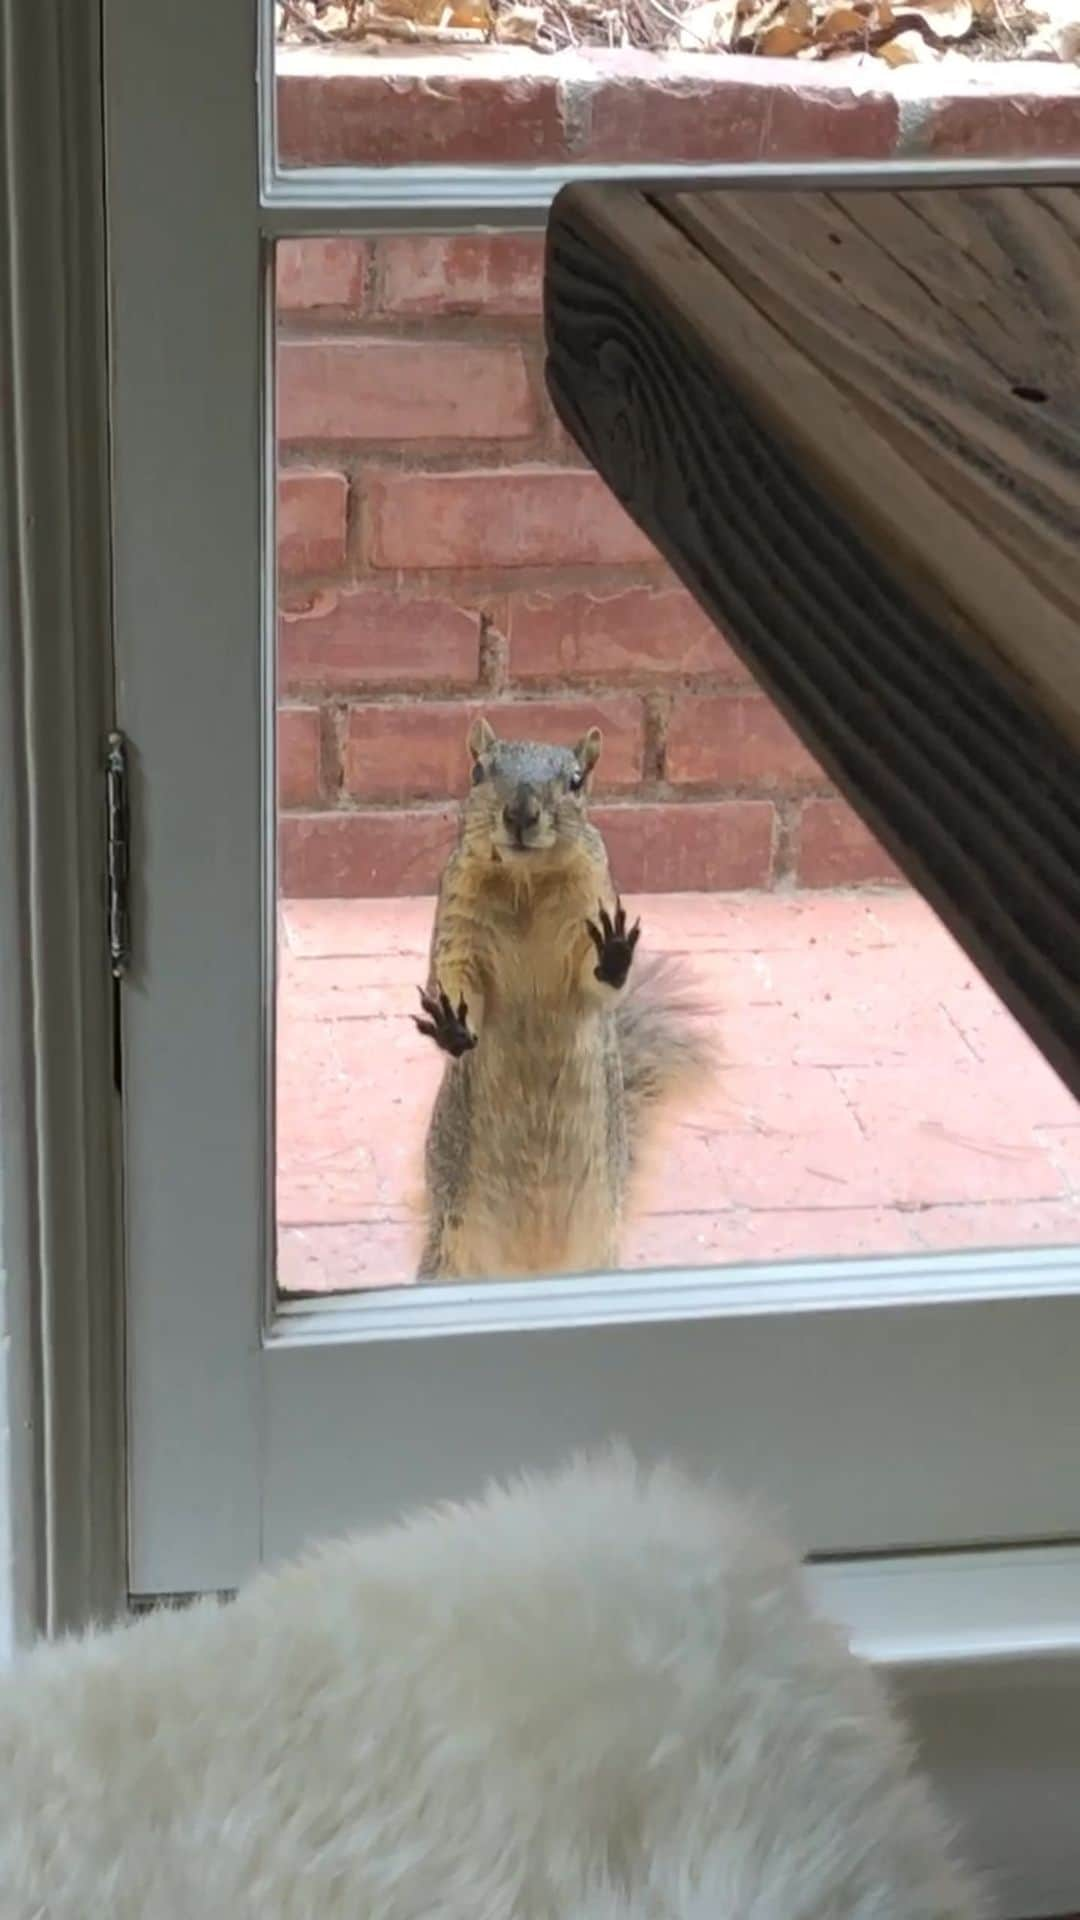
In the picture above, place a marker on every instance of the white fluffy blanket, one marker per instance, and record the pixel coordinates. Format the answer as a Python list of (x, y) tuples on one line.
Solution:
[(600, 1696)]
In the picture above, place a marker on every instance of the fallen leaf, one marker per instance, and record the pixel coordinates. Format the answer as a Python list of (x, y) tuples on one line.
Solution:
[(755, 16), (949, 19), (840, 22), (426, 13), (906, 49), (783, 39)]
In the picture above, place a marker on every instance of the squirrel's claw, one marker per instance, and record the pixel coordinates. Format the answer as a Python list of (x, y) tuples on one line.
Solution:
[(614, 944), (450, 1030)]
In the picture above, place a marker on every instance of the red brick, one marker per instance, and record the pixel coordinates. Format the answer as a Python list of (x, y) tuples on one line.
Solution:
[(650, 107), (299, 778), (313, 273), (461, 273), (734, 740), (518, 517), (624, 630), (415, 109), (418, 752), (1006, 112), (944, 1137), (827, 118), (402, 390), (311, 512), (407, 753), (366, 638), (324, 856), (691, 847), (837, 850), (718, 1237)]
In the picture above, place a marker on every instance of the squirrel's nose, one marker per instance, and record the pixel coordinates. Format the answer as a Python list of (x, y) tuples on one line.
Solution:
[(522, 811)]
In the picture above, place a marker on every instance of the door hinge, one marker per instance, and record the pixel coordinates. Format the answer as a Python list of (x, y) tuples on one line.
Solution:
[(118, 854)]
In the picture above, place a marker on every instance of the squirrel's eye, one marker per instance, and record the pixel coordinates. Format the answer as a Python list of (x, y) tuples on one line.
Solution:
[(478, 773), (576, 781)]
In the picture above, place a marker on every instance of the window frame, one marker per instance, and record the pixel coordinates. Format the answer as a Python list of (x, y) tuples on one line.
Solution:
[(209, 1357), (62, 1459)]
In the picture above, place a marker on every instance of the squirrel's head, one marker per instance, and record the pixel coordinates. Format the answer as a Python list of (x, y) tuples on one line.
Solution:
[(526, 801)]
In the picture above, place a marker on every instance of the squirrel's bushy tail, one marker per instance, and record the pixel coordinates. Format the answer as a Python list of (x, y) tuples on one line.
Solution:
[(665, 1050)]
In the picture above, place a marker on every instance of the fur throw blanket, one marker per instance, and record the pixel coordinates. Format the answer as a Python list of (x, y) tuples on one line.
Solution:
[(597, 1696)]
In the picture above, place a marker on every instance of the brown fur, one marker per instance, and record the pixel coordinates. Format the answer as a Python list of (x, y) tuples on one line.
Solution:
[(536, 1130)]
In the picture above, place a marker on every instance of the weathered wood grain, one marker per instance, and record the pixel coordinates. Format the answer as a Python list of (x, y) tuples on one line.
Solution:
[(843, 471), (948, 319)]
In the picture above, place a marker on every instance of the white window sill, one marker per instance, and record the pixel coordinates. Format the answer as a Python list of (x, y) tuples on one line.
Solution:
[(937, 1613)]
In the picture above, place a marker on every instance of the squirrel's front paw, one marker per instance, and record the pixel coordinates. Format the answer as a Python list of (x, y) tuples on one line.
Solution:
[(450, 1030), (614, 945)]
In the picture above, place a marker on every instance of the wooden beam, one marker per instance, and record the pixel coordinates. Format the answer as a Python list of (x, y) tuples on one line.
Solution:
[(862, 454)]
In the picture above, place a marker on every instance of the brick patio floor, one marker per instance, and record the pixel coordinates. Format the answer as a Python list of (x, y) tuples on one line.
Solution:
[(873, 1097)]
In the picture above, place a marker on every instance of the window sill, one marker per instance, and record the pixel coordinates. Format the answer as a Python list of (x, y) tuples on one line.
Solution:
[(943, 1615)]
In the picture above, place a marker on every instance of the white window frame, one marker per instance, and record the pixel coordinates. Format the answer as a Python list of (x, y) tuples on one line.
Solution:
[(220, 1369), (62, 1491), (989, 1631)]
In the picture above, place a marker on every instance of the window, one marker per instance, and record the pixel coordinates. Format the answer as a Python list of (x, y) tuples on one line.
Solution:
[(892, 1394), (443, 552)]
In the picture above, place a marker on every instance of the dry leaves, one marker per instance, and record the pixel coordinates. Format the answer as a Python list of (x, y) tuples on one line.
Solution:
[(893, 31), (896, 32)]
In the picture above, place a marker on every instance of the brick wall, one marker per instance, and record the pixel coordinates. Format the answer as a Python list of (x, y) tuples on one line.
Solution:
[(508, 105), (443, 550)]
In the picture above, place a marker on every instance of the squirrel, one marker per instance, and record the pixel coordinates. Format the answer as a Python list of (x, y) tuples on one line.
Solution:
[(561, 1043)]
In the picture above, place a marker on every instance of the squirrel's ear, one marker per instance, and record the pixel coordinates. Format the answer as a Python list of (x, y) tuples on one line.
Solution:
[(481, 737), (588, 749)]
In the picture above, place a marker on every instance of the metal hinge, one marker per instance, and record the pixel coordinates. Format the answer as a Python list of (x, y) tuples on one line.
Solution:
[(118, 854)]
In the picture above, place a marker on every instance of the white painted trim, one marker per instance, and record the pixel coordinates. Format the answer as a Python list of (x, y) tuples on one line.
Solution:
[(707, 1293), (186, 302), (331, 200), (937, 1613), (59, 1251), (938, 1616)]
